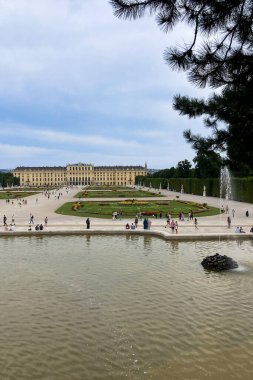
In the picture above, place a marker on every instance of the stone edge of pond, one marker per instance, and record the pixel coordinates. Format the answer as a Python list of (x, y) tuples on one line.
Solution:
[(158, 234)]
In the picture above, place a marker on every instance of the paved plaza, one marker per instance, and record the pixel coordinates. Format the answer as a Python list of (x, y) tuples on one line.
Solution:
[(40, 206)]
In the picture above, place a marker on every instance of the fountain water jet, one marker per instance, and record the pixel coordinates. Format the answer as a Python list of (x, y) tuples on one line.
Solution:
[(222, 262), (225, 187)]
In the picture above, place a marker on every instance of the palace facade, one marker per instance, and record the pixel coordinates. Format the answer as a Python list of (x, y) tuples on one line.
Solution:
[(78, 174)]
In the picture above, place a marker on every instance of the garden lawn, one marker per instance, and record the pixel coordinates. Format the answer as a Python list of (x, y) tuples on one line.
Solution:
[(15, 194), (114, 193), (128, 208)]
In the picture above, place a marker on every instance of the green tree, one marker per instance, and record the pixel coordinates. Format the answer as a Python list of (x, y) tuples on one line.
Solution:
[(229, 118), (224, 59), (165, 173), (183, 169), (8, 179), (208, 166)]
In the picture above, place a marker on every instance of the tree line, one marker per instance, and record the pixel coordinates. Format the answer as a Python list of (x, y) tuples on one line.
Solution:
[(7, 179)]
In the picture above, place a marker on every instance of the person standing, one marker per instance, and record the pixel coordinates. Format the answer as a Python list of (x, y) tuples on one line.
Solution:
[(247, 214), (46, 220), (5, 220), (172, 225), (136, 221), (229, 221), (196, 223), (88, 223), (233, 212)]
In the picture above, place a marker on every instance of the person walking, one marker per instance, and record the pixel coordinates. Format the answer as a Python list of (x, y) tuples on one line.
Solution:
[(46, 220), (229, 221), (196, 223)]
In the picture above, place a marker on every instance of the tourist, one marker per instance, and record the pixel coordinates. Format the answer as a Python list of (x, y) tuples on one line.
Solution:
[(222, 209), (46, 220), (251, 230), (5, 220), (37, 227), (168, 222), (136, 221), (88, 223), (145, 224), (149, 224), (172, 225), (127, 226), (237, 230), (132, 226), (29, 227), (13, 220), (41, 227), (247, 214), (196, 223), (233, 213), (176, 227), (242, 231), (12, 228), (229, 221)]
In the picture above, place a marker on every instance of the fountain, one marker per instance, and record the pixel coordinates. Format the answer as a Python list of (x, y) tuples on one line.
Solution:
[(221, 262), (225, 188)]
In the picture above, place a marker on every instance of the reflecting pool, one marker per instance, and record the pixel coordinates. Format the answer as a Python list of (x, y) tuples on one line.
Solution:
[(117, 307)]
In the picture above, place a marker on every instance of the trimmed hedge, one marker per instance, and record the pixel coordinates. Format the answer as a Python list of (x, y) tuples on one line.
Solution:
[(242, 188)]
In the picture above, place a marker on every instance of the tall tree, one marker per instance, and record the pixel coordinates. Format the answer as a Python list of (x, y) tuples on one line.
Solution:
[(224, 57), (183, 169), (207, 165)]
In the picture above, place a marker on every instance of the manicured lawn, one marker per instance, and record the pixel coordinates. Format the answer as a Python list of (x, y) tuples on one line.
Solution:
[(15, 194), (129, 209), (115, 193)]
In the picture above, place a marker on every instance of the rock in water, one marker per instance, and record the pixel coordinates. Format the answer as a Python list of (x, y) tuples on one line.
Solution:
[(219, 262)]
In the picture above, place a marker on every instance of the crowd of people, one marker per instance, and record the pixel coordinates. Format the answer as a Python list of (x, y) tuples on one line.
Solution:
[(140, 221)]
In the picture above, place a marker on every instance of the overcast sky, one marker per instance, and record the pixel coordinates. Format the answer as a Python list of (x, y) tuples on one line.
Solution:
[(79, 85)]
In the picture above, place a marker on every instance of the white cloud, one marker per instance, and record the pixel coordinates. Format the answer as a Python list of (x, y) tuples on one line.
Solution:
[(101, 80)]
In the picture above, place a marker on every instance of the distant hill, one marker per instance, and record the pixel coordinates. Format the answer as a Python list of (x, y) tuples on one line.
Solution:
[(5, 170), (152, 171)]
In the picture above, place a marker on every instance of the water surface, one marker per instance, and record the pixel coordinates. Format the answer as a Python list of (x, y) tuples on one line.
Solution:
[(118, 307)]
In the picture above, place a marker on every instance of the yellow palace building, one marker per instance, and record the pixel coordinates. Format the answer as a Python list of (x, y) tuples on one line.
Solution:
[(78, 174)]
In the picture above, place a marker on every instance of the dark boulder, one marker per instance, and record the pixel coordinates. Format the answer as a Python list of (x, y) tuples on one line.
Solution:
[(219, 262)]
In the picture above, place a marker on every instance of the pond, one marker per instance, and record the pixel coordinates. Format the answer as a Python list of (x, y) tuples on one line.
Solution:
[(117, 307)]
